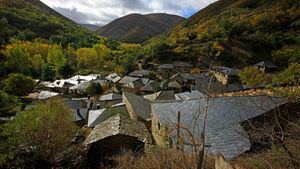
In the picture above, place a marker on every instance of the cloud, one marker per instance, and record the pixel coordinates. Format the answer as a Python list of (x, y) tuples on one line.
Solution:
[(104, 11)]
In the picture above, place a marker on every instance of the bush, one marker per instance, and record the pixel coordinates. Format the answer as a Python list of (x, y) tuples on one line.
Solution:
[(48, 72), (251, 76), (94, 88), (18, 84)]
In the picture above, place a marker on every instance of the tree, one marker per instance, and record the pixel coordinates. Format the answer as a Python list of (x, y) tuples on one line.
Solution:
[(65, 71), (48, 72), (37, 63), (94, 88), (18, 84), (102, 53), (56, 57), (251, 76), (18, 60), (45, 130), (86, 58)]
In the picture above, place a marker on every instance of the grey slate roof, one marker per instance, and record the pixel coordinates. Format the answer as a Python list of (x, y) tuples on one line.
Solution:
[(161, 95), (118, 125), (93, 118), (127, 79), (140, 105), (267, 64), (223, 131), (182, 64), (166, 66), (148, 87), (110, 96), (226, 70), (174, 84), (139, 73), (194, 94), (79, 108)]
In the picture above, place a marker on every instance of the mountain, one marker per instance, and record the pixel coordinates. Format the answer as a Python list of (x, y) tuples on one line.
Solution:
[(137, 28), (30, 19), (236, 33), (91, 27)]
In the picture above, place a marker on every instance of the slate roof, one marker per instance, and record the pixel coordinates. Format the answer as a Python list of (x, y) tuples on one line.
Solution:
[(148, 87), (114, 77), (79, 108), (140, 105), (161, 95), (226, 70), (118, 125), (166, 66), (93, 117), (182, 64), (266, 64), (139, 73), (174, 84), (206, 82), (110, 96), (194, 94), (135, 84), (127, 79), (46, 95), (223, 131)]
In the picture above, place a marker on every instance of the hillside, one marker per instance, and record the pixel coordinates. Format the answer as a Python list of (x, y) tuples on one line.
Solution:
[(30, 19), (90, 27), (237, 33), (137, 28)]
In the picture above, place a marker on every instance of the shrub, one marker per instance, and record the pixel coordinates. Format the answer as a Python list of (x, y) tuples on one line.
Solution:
[(94, 88), (18, 84)]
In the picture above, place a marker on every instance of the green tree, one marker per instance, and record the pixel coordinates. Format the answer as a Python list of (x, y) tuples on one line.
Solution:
[(45, 130), (37, 63), (65, 71), (48, 72), (251, 76), (18, 60), (18, 84), (56, 57), (94, 88)]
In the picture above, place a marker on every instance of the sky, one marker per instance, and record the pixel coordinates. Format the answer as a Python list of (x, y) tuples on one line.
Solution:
[(101, 12)]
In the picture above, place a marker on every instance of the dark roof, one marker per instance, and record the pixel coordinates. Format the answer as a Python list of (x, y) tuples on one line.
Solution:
[(139, 73), (148, 87), (223, 131), (118, 125), (166, 66), (161, 95), (140, 105), (182, 64), (226, 70), (267, 64), (127, 79), (110, 96)]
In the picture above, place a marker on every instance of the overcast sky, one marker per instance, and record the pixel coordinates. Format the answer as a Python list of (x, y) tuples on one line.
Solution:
[(104, 11)]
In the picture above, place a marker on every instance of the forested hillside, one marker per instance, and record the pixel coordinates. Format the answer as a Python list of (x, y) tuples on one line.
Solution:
[(137, 28), (30, 19), (236, 33)]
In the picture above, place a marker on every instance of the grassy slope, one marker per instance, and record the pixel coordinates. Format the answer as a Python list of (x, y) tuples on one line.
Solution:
[(36, 20), (254, 29)]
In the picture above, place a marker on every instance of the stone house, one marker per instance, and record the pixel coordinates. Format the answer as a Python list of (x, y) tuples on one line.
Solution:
[(112, 136), (79, 109), (266, 67), (226, 75), (182, 67), (138, 108), (223, 133)]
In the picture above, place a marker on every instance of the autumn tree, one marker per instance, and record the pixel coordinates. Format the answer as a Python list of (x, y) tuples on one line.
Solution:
[(18, 60), (37, 63), (251, 76), (45, 131), (86, 58), (56, 57), (18, 84)]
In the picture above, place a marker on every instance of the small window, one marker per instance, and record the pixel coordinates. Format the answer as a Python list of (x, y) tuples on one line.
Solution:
[(158, 126)]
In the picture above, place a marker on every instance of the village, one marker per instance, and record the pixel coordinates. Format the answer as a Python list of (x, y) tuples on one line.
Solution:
[(155, 105)]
